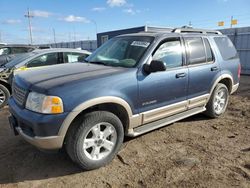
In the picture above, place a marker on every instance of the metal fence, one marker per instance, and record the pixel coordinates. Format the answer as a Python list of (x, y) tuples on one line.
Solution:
[(241, 39), (89, 45)]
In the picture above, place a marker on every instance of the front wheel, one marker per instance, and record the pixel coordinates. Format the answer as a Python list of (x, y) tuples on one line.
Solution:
[(95, 142), (4, 95), (218, 102)]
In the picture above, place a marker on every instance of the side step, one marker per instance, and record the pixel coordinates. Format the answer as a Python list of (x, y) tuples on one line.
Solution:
[(165, 121)]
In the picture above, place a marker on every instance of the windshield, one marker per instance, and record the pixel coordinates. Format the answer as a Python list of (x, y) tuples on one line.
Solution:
[(121, 51), (18, 59)]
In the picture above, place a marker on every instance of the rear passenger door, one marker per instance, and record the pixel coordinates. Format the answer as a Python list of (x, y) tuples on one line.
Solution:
[(202, 67)]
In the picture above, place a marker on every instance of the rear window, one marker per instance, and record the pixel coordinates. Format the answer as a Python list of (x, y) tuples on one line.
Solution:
[(226, 48)]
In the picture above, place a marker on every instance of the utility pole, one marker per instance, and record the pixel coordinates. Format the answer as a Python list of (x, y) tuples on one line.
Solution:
[(74, 34), (54, 34), (69, 36), (95, 26), (29, 16), (190, 24), (231, 25)]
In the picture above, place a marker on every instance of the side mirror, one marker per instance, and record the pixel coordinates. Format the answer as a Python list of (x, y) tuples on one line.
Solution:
[(154, 66)]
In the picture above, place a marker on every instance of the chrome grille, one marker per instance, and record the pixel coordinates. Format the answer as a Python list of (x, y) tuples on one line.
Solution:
[(19, 94)]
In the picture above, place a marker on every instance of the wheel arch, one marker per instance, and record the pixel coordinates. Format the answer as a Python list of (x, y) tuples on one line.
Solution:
[(226, 79), (115, 105)]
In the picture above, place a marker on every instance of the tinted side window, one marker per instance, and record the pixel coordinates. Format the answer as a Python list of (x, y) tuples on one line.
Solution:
[(18, 50), (226, 48), (170, 53), (208, 50), (196, 51), (44, 60)]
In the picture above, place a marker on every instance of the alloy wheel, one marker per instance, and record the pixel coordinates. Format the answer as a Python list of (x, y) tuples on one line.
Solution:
[(2, 97), (100, 141), (220, 101)]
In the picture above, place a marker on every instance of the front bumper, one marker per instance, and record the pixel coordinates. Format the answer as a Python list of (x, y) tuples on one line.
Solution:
[(48, 143), (38, 129)]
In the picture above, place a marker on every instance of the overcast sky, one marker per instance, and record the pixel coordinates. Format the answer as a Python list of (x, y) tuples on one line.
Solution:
[(78, 19)]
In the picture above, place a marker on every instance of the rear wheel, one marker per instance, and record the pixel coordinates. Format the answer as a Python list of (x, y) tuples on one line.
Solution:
[(95, 142), (218, 102), (4, 95)]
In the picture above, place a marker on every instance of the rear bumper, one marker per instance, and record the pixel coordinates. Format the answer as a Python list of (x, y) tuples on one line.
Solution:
[(234, 88)]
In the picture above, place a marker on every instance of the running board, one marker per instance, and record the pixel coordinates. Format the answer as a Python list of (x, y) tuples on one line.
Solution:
[(163, 122)]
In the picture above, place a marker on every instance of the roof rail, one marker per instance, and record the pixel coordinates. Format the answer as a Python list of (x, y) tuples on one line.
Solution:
[(189, 30)]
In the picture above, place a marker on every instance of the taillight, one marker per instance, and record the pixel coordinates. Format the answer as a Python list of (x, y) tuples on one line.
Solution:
[(239, 71)]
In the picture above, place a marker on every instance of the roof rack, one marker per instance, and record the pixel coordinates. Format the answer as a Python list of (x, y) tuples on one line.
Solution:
[(190, 30)]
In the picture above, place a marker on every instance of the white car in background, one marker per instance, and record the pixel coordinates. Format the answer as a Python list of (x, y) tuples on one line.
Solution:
[(35, 59)]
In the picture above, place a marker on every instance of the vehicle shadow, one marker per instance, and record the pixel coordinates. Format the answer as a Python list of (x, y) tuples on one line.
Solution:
[(197, 117), (19, 162), (194, 118)]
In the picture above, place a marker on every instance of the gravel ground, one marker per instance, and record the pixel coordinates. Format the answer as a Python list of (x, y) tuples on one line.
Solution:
[(195, 152)]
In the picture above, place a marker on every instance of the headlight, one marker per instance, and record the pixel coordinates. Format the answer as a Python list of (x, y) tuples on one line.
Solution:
[(44, 104)]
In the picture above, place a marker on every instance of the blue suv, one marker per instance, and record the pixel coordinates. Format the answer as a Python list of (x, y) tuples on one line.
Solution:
[(131, 85)]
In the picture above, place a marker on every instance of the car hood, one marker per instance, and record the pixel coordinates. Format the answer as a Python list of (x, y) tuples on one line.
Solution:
[(49, 77)]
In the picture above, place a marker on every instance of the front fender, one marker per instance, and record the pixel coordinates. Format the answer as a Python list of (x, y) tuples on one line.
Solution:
[(92, 102)]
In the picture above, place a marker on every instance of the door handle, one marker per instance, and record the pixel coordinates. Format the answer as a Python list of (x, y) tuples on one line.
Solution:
[(214, 68), (180, 75)]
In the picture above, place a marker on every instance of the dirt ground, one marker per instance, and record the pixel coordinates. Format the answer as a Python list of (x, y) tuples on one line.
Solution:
[(195, 152)]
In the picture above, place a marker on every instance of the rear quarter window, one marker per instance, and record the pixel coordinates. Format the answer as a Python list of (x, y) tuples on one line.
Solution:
[(226, 48)]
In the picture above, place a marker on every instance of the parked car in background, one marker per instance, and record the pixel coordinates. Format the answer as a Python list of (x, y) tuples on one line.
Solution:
[(35, 59), (9, 52), (131, 85)]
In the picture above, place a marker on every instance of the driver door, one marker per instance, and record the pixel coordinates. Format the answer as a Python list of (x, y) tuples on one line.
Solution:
[(164, 93)]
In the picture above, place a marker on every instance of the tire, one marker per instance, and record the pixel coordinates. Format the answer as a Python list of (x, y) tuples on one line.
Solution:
[(218, 102), (4, 96), (95, 141)]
